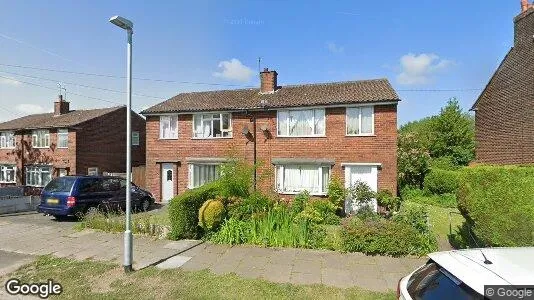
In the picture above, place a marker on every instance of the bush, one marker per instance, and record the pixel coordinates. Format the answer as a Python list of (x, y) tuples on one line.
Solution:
[(243, 209), (386, 199), (497, 204), (183, 211), (320, 211), (441, 182), (236, 178), (415, 216), (361, 194), (444, 163), (211, 214), (299, 202), (385, 237), (422, 197), (336, 192)]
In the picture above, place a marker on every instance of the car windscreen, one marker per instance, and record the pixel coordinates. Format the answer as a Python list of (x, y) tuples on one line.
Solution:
[(60, 184), (433, 282)]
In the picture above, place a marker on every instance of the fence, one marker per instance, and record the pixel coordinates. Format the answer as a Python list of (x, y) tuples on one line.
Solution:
[(138, 176)]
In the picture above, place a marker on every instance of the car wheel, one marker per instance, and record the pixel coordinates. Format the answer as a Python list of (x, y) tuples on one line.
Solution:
[(145, 204)]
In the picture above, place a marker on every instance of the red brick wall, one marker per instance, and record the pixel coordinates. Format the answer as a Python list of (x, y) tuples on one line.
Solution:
[(102, 143), (381, 148)]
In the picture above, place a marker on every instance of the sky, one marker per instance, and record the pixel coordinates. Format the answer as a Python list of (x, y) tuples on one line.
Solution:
[(430, 51)]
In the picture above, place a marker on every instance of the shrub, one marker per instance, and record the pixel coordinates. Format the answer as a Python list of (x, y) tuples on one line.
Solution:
[(367, 213), (415, 216), (232, 232), (497, 204), (421, 197), (183, 211), (211, 214), (386, 199), (243, 209), (443, 163), (299, 202), (336, 192), (441, 182), (236, 178), (361, 194), (385, 237), (319, 211)]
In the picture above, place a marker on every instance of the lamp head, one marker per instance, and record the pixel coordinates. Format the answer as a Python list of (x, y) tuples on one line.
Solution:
[(122, 22)]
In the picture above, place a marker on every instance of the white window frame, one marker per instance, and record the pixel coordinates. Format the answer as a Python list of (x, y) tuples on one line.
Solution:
[(190, 183), (279, 179), (37, 169), (359, 107), (169, 119), (36, 138), (62, 132), (220, 119), (4, 170), (136, 138), (300, 109), (7, 140)]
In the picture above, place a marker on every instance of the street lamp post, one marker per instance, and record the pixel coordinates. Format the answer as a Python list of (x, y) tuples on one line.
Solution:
[(128, 247)]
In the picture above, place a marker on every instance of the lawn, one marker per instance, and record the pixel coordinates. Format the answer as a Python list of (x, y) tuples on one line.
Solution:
[(97, 280)]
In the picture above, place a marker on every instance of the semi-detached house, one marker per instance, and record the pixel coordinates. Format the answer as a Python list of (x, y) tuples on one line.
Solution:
[(36, 148), (301, 135)]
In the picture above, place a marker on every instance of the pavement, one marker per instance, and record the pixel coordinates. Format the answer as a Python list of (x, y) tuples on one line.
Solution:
[(24, 236)]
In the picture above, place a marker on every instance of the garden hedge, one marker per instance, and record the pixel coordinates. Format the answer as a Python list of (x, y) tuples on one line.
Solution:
[(498, 204), (183, 211), (441, 182)]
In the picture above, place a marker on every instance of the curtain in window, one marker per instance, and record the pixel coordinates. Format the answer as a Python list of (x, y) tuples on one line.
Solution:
[(353, 120), (173, 126), (367, 120), (301, 122), (319, 121), (282, 122), (309, 177), (165, 127), (291, 179), (198, 126)]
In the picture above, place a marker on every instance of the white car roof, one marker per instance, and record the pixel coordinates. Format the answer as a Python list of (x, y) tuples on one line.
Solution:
[(510, 266)]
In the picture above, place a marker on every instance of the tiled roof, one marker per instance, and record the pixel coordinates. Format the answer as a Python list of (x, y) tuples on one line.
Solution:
[(347, 92), (48, 120)]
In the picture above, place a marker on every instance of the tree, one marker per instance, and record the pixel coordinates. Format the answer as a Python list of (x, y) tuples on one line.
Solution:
[(413, 160)]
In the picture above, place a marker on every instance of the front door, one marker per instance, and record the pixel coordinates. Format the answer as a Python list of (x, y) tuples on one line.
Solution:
[(167, 182), (363, 173)]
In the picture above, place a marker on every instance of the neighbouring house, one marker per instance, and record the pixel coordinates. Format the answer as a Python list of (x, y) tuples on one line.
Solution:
[(504, 112), (36, 148), (304, 134)]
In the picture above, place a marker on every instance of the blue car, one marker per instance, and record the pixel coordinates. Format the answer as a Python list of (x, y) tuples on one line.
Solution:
[(75, 195)]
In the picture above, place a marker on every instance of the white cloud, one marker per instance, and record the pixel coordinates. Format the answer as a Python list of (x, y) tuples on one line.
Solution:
[(334, 48), (234, 70), (419, 69), (11, 82), (27, 108)]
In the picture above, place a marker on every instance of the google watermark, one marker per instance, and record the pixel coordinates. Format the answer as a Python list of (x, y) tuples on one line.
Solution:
[(42, 289), (509, 292)]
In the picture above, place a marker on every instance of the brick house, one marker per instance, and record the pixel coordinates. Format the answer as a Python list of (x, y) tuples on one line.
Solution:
[(305, 134), (38, 147), (504, 112)]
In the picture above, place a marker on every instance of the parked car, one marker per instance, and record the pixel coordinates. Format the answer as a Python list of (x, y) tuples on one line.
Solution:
[(74, 195), (462, 274)]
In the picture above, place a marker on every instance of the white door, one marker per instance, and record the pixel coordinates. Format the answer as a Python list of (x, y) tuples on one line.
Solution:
[(364, 173), (167, 182)]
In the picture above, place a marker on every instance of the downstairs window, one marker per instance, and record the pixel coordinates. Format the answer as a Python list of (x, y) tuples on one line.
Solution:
[(293, 179)]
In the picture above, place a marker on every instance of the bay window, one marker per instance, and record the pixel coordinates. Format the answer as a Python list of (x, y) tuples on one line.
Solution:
[(168, 127), (62, 138), (360, 120), (41, 138), (200, 174), (292, 179), (211, 125), (7, 139), (306, 122), (7, 174), (38, 175)]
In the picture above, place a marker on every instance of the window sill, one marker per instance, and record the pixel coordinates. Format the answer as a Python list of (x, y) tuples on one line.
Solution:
[(212, 138), (360, 135), (301, 136), (7, 148), (296, 193), (63, 147), (166, 139), (48, 147), (8, 182)]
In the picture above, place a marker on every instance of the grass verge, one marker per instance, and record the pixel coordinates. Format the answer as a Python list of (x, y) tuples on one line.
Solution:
[(97, 280)]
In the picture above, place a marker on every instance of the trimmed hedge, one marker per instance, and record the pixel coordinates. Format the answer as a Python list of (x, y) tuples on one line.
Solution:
[(441, 182), (183, 211), (498, 204)]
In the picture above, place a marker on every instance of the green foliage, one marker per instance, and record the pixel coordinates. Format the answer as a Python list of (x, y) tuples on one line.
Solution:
[(256, 203), (497, 204), (183, 211), (443, 163), (413, 160), (233, 232), (211, 214), (367, 213), (319, 211), (386, 199), (441, 182), (361, 193), (415, 216), (385, 237), (299, 202), (336, 192), (236, 178), (419, 196)]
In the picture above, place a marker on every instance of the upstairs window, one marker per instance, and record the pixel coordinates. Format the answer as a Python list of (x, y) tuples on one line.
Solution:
[(212, 125), (168, 127), (62, 138), (41, 138), (305, 123), (135, 138), (360, 120), (7, 139)]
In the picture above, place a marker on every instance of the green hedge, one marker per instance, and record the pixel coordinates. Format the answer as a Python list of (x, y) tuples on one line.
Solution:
[(441, 182), (183, 211), (498, 204)]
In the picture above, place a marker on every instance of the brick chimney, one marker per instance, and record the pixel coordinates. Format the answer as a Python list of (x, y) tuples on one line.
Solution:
[(61, 106), (524, 26), (268, 81)]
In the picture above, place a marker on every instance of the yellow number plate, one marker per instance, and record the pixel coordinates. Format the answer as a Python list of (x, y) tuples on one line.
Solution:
[(52, 201)]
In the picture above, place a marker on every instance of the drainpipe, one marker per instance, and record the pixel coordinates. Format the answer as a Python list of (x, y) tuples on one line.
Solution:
[(255, 151)]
